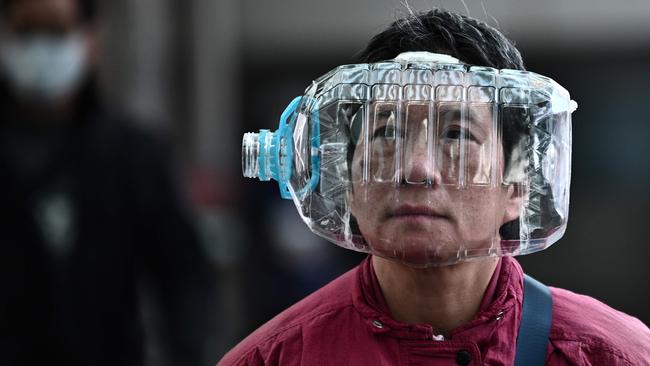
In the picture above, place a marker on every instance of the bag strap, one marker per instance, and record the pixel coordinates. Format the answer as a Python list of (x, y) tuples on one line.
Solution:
[(536, 317)]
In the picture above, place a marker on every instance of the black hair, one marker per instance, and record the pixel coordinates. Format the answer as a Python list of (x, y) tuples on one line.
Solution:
[(441, 31), (87, 8)]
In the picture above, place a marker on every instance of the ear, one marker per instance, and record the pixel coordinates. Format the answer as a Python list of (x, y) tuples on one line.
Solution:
[(515, 194)]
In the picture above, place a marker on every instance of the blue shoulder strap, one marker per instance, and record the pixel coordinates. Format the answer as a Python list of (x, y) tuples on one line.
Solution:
[(535, 325)]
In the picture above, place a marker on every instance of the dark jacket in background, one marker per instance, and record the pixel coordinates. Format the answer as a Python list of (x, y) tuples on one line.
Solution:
[(87, 207)]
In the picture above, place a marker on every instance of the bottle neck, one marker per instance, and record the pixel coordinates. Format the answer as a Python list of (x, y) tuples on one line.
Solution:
[(250, 155)]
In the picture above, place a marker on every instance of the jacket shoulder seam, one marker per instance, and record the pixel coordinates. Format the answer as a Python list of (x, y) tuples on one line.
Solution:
[(593, 343)]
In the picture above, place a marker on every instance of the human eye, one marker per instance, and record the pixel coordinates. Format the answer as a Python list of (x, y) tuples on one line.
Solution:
[(457, 133), (388, 132)]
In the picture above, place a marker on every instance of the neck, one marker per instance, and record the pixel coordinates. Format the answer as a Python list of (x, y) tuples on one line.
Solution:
[(443, 297)]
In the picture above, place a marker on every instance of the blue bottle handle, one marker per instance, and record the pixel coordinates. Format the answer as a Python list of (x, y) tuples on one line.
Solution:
[(281, 151)]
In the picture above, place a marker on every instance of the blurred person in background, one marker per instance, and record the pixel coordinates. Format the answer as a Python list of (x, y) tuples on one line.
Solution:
[(88, 207), (440, 285)]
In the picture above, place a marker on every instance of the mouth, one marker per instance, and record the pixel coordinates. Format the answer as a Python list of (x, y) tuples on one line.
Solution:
[(415, 212)]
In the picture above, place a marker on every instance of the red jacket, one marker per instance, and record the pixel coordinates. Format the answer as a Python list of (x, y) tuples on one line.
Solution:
[(347, 323)]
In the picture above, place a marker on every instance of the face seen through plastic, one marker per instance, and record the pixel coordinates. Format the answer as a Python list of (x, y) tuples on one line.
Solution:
[(427, 181)]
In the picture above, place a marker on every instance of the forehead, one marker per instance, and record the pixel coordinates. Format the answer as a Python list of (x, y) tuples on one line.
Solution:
[(29, 15)]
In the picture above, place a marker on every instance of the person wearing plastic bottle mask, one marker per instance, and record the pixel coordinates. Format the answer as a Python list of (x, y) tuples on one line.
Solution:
[(46, 52), (441, 157)]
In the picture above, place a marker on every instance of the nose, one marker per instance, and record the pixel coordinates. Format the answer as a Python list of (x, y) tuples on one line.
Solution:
[(417, 158)]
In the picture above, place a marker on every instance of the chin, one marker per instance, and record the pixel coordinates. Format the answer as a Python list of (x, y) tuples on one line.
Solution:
[(416, 252)]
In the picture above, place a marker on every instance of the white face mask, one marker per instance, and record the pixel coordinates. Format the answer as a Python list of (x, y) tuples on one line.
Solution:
[(42, 67)]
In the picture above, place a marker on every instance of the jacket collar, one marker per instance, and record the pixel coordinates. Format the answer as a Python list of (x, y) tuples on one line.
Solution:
[(503, 294)]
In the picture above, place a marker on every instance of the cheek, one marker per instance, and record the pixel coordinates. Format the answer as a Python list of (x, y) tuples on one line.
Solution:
[(369, 205), (478, 208), (368, 201)]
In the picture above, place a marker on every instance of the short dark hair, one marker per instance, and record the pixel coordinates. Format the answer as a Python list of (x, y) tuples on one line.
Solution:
[(441, 31), (87, 8)]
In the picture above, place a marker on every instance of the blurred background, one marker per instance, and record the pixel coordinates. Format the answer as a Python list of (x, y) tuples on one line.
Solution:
[(229, 253)]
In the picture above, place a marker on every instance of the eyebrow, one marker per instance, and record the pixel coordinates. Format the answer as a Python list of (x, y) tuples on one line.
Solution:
[(455, 114), (447, 114)]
